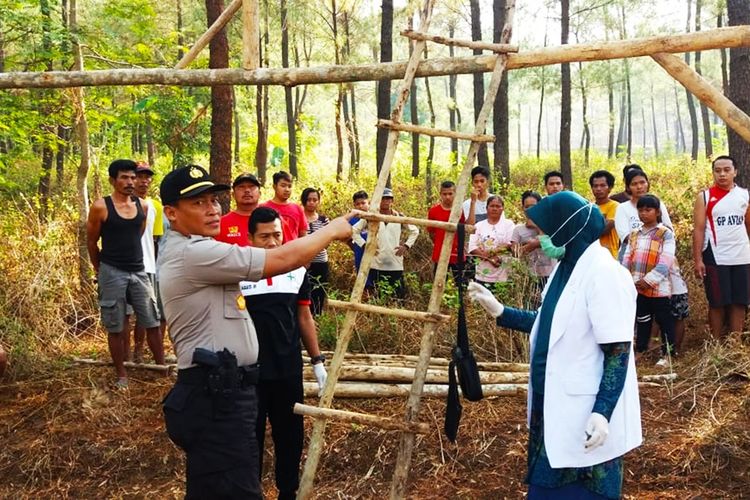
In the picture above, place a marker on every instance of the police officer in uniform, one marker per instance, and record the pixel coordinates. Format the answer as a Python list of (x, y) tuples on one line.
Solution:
[(210, 412)]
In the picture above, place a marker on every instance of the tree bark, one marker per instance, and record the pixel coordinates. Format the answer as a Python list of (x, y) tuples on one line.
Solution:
[(739, 90), (236, 124), (454, 117), (48, 128), (221, 106), (476, 34), (565, 98), (384, 86), (586, 135), (500, 111), (291, 128), (413, 111), (653, 124), (261, 106), (704, 110), (723, 55), (611, 113), (689, 97), (349, 122), (622, 125), (680, 131), (431, 147), (180, 35), (82, 173)]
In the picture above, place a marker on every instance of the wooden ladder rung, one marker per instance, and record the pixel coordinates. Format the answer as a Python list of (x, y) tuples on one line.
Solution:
[(500, 48), (399, 313), (401, 219), (407, 127), (389, 424)]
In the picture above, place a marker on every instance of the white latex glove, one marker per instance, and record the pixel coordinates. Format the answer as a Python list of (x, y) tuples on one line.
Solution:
[(597, 430), (480, 294), (320, 375)]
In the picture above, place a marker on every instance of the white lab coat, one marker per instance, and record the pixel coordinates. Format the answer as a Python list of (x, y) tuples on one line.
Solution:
[(596, 307)]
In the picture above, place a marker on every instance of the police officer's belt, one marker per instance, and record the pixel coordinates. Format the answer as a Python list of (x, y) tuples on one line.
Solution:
[(198, 375)]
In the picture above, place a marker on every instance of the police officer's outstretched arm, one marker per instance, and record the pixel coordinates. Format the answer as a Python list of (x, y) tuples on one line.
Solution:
[(299, 252)]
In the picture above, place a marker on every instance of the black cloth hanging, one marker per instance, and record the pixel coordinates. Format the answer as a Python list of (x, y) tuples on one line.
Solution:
[(462, 359)]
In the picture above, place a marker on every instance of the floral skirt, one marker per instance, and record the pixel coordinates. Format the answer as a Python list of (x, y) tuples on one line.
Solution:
[(603, 480)]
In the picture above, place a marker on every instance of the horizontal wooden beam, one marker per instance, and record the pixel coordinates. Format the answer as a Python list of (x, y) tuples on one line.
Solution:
[(388, 311), (434, 132), (400, 219), (206, 37), (388, 424), (375, 390), (737, 36), (469, 44)]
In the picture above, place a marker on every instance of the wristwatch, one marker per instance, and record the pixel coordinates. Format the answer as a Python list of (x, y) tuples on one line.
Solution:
[(314, 360)]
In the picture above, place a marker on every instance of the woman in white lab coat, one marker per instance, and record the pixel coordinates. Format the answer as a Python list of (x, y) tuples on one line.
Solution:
[(584, 412)]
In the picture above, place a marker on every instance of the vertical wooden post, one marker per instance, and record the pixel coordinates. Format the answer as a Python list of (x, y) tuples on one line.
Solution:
[(317, 438), (250, 35), (406, 445)]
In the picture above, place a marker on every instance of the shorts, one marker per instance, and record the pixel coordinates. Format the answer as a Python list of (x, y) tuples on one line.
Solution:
[(679, 306), (117, 289), (727, 285)]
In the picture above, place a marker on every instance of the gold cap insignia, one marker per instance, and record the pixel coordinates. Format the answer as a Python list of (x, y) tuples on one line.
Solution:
[(195, 173)]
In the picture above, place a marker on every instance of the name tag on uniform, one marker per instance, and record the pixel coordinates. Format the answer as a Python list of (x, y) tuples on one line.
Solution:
[(283, 283)]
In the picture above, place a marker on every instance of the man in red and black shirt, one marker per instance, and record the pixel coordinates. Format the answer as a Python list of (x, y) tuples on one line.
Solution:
[(280, 309), (246, 192), (442, 212)]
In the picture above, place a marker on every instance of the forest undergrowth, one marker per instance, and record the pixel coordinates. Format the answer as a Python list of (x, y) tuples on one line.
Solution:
[(68, 434)]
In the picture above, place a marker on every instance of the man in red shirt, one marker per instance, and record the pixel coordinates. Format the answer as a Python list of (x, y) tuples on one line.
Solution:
[(246, 192), (294, 223), (442, 212)]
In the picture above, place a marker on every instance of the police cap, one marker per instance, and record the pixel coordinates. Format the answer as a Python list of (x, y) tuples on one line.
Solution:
[(186, 182)]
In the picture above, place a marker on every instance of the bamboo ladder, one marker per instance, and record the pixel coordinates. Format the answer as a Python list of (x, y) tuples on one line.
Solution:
[(410, 426)]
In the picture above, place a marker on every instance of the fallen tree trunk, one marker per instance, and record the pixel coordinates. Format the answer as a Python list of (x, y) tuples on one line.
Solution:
[(738, 36), (405, 374), (128, 364), (408, 359), (373, 390)]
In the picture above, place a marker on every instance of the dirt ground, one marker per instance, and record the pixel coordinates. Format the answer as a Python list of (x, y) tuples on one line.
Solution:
[(66, 434)]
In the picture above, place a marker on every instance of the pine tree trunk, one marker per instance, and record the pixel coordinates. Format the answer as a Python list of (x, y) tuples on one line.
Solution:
[(680, 131), (653, 124), (565, 98), (431, 147), (82, 173), (351, 135), (500, 111), (586, 135), (689, 96), (261, 106), (236, 123), (704, 109), (63, 136), (413, 111), (739, 90), (384, 86), (611, 113), (291, 129), (541, 113), (453, 115), (180, 36), (476, 34), (622, 125), (221, 105), (48, 129), (723, 54), (150, 144)]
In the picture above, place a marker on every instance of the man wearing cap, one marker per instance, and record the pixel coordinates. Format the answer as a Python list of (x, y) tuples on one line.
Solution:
[(246, 192), (211, 410), (119, 220), (387, 271), (150, 238)]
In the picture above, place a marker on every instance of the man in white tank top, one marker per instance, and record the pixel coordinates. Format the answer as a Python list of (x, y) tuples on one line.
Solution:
[(721, 247)]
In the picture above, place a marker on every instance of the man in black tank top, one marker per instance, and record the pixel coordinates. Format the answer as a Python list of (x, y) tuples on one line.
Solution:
[(119, 221)]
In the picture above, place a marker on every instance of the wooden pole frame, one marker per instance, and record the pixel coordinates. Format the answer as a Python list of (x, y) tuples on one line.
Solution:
[(378, 217), (737, 36), (390, 424), (455, 42), (250, 35), (206, 38), (435, 132)]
